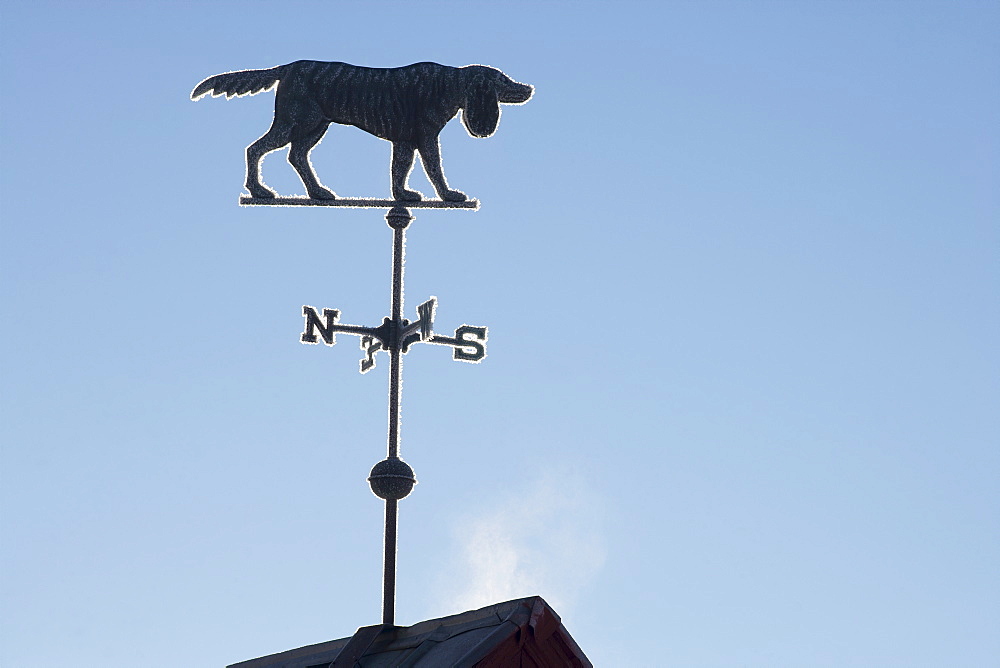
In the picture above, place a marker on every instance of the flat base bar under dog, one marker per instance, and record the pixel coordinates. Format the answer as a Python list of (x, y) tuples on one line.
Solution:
[(358, 203)]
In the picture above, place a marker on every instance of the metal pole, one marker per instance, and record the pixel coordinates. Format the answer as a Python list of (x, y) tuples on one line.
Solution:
[(389, 566), (398, 219), (398, 222)]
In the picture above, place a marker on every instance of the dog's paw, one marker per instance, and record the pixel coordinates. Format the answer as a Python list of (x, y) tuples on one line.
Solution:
[(259, 192), (453, 196), (321, 193), (407, 195)]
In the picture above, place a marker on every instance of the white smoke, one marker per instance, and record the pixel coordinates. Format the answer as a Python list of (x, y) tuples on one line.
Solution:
[(546, 539)]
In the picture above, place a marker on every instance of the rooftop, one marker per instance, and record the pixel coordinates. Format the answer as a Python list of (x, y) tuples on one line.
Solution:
[(524, 632)]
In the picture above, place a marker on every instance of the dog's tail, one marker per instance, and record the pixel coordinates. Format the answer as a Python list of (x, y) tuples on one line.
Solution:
[(244, 82)]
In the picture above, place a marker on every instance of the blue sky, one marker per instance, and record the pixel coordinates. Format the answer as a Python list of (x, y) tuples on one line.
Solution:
[(739, 266)]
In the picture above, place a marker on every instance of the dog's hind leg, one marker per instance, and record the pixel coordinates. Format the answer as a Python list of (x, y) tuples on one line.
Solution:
[(298, 157), (430, 155), (274, 139), (402, 164)]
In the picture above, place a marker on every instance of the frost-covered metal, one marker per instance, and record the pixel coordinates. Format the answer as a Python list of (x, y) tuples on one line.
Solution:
[(407, 106)]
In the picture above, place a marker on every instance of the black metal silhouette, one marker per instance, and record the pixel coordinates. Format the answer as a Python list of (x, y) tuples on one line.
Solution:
[(407, 106), (392, 479)]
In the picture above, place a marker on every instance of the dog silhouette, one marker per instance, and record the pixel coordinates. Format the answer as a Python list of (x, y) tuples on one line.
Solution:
[(408, 106)]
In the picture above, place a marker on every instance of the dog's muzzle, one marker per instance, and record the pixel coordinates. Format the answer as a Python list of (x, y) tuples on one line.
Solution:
[(516, 93)]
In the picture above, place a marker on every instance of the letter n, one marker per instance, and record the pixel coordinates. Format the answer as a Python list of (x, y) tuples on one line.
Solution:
[(325, 326)]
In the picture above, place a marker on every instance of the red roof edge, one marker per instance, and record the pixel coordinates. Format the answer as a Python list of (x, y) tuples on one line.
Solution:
[(533, 635)]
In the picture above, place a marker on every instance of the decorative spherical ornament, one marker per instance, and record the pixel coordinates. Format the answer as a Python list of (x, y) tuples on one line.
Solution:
[(398, 217), (392, 479)]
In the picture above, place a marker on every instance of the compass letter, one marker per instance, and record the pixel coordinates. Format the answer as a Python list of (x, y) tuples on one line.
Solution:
[(324, 326), (426, 313), (370, 346), (470, 338)]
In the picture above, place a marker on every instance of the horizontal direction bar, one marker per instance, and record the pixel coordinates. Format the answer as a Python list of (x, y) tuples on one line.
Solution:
[(357, 203), (359, 330)]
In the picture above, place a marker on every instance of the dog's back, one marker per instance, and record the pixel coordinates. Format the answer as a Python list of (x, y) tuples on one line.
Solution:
[(397, 103)]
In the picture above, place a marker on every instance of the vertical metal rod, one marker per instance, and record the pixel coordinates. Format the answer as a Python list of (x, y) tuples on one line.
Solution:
[(395, 357), (389, 567), (398, 218)]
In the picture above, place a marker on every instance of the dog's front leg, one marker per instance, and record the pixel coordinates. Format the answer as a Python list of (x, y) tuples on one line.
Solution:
[(430, 155), (402, 165)]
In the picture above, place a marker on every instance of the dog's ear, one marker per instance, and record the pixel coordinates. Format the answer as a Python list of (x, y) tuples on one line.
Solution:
[(481, 113)]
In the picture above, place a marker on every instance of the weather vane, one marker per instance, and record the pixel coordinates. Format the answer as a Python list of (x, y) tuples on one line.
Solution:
[(407, 106)]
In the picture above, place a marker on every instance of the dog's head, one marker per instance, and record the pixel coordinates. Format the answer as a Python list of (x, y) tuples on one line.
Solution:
[(486, 89)]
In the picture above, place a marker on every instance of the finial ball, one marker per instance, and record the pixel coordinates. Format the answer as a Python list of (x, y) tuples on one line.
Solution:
[(392, 479), (399, 217)]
